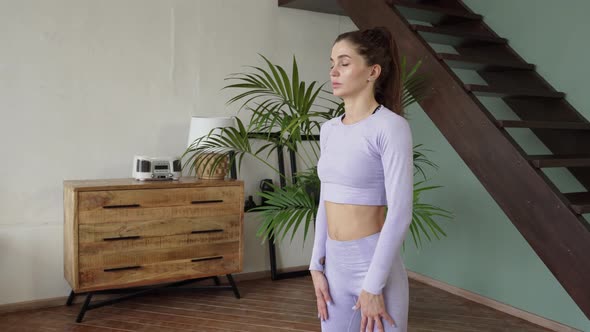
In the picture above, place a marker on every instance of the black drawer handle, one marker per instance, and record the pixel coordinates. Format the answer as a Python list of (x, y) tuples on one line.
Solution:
[(121, 238), (123, 268), (207, 231), (206, 259), (205, 202), (124, 206)]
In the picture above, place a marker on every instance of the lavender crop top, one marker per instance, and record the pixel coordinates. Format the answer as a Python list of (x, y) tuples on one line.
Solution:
[(369, 162)]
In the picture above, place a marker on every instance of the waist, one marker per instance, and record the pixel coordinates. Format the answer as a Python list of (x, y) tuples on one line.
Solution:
[(350, 222)]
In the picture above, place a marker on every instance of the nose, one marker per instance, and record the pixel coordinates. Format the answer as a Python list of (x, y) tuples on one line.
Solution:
[(333, 72)]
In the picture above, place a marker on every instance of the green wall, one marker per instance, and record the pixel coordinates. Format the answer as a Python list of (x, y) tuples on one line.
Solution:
[(484, 253)]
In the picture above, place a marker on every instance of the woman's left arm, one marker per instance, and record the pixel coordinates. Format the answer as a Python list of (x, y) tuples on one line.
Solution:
[(395, 145)]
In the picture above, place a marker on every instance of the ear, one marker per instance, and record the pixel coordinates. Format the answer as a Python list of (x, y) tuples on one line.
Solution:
[(374, 73)]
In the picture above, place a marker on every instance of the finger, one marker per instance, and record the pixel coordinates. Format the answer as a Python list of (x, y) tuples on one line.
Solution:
[(363, 323), (322, 308), (328, 302), (389, 319), (357, 305), (370, 324), (379, 324), (326, 295), (321, 303)]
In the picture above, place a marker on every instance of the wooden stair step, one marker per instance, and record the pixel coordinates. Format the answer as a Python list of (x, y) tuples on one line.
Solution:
[(431, 14), (543, 124), (322, 6), (544, 161), (454, 37), (580, 202), (486, 90), (482, 63)]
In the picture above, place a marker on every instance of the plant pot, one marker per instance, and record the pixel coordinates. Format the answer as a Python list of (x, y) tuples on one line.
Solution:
[(205, 164)]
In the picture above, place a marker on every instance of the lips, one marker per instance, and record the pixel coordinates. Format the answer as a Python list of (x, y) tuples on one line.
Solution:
[(335, 85)]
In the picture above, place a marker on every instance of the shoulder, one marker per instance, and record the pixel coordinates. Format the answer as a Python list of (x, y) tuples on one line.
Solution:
[(390, 122), (392, 127)]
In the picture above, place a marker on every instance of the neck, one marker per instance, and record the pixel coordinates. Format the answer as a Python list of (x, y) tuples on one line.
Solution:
[(357, 108)]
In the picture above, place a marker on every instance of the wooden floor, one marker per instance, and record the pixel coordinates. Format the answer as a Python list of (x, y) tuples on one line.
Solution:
[(286, 305)]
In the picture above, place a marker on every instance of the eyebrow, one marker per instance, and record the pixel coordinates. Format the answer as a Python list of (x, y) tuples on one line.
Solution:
[(341, 56)]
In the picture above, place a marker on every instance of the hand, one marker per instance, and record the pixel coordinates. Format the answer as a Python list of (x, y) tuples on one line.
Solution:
[(322, 293), (372, 310)]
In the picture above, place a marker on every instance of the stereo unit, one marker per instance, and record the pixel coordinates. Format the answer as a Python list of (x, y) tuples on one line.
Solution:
[(156, 168)]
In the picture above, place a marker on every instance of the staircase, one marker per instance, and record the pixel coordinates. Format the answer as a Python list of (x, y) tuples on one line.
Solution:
[(548, 219)]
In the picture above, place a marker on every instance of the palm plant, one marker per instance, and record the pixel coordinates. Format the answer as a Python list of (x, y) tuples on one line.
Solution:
[(285, 112)]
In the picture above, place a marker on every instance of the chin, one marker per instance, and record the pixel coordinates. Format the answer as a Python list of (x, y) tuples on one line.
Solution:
[(338, 93)]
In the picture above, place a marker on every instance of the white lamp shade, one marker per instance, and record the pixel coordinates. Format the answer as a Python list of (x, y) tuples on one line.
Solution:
[(201, 126)]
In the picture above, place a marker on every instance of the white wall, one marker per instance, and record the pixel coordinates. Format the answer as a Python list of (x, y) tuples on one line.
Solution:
[(85, 85)]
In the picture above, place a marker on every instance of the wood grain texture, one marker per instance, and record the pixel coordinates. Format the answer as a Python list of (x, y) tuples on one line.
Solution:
[(113, 259), (284, 305), (129, 183), (98, 200), (119, 234), (70, 237), (161, 272), (227, 224), (164, 212)]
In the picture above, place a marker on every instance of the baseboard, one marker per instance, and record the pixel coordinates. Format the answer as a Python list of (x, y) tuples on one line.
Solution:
[(59, 301), (522, 314), (32, 305)]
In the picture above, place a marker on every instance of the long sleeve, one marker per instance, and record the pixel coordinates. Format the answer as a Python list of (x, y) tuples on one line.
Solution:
[(395, 145), (321, 231), (319, 243)]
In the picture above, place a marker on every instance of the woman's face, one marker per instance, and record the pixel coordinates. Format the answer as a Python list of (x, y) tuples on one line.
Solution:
[(349, 73)]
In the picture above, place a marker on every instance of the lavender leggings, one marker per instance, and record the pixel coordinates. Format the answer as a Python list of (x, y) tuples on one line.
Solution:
[(347, 263)]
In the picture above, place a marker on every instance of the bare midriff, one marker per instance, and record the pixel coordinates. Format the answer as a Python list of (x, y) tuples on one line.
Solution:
[(350, 221)]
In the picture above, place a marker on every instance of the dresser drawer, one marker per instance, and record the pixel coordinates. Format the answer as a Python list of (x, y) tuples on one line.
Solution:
[(222, 227), (163, 249), (128, 213), (148, 198), (138, 275)]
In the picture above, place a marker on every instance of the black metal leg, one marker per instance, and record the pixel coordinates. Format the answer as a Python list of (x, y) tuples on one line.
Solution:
[(84, 307), (71, 298), (271, 240), (137, 291), (233, 285)]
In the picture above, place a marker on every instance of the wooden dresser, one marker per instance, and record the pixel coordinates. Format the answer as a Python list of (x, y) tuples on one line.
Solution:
[(124, 233)]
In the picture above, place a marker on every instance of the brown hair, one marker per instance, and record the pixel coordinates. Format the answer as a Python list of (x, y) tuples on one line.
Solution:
[(377, 46)]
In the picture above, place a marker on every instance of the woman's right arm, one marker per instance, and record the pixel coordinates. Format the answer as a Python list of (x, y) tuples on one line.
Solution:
[(319, 244), (318, 254)]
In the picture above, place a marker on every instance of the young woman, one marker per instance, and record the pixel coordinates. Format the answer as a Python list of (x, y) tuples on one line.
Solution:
[(366, 173)]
